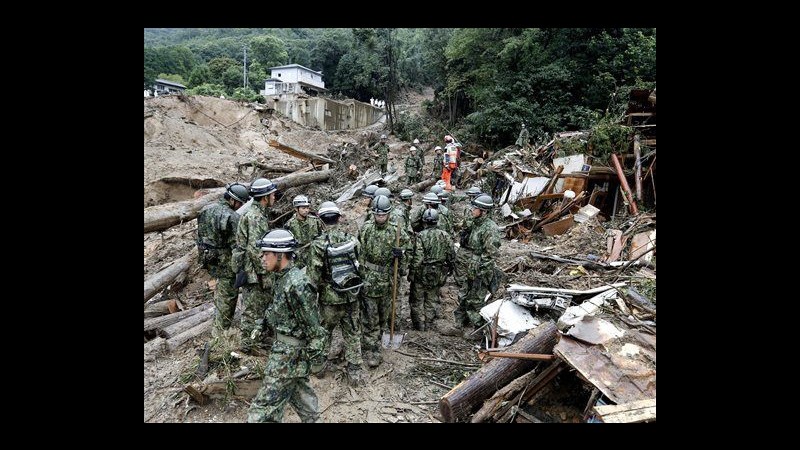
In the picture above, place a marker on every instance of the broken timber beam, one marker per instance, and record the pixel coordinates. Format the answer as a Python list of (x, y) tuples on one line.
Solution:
[(160, 280), (202, 393), (187, 323), (467, 395), (157, 323), (176, 341), (624, 183), (631, 412), (308, 156)]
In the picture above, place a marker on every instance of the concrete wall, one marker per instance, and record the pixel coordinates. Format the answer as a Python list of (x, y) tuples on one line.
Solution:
[(325, 113)]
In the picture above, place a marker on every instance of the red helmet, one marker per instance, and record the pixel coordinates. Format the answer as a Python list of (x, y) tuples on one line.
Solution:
[(448, 138)]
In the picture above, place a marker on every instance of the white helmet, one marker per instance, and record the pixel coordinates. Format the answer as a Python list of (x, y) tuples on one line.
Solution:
[(412, 148), (300, 200), (416, 141)]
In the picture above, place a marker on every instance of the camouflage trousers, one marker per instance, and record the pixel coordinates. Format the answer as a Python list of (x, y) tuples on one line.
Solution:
[(375, 315), (225, 296), (349, 317), (270, 401), (256, 298), (383, 162), (470, 301), (425, 304)]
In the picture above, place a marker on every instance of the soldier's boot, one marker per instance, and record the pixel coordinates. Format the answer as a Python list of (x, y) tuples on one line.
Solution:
[(355, 375), (374, 359), (319, 371)]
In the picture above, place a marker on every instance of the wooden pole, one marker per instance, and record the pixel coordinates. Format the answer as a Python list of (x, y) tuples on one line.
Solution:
[(158, 281), (624, 184)]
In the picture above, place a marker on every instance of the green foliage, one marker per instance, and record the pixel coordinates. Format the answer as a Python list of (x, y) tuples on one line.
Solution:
[(609, 137), (269, 50), (409, 127), (211, 90), (199, 75), (247, 95)]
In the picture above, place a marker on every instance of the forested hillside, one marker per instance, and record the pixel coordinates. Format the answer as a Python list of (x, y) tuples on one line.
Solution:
[(487, 80)]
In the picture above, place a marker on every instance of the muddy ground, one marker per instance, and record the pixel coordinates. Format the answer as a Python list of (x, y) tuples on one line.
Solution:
[(192, 143)]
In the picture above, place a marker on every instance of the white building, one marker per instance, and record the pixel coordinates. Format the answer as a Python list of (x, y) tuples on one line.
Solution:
[(293, 79)]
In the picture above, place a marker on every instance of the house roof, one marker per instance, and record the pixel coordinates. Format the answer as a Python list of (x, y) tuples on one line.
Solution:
[(290, 66), (171, 83)]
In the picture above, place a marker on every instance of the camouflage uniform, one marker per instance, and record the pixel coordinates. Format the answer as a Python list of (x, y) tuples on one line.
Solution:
[(522, 140), (377, 266), (257, 291), (461, 212), (413, 168), (420, 155), (399, 215), (383, 156), (299, 343), (304, 232), (216, 229), (483, 247), (445, 219), (438, 165), (336, 307), (433, 259)]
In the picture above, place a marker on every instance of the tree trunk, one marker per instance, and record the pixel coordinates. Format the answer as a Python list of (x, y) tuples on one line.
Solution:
[(462, 399), (154, 347), (159, 309), (158, 323), (161, 217), (185, 324), (503, 395), (157, 282), (176, 341), (422, 185)]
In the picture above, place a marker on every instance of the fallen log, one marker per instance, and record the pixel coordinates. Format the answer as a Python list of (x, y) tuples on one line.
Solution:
[(185, 324), (313, 157), (467, 395), (161, 217), (176, 341), (157, 323), (202, 393), (160, 308), (154, 347), (503, 395), (422, 185), (158, 281)]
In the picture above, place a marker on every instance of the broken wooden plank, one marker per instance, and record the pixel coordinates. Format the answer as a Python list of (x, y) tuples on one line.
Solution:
[(313, 157), (631, 412), (187, 323)]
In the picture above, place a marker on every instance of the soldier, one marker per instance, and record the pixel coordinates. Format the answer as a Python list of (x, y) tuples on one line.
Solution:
[(216, 239), (400, 213), (431, 262), (462, 211), (522, 140), (304, 227), (333, 266), (420, 154), (413, 166), (367, 195), (299, 340), (256, 282), (383, 154), (438, 163), (482, 245), (378, 249)]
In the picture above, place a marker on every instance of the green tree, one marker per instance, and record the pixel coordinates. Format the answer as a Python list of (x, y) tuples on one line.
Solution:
[(232, 78), (172, 77), (199, 75), (218, 66), (212, 90), (269, 51)]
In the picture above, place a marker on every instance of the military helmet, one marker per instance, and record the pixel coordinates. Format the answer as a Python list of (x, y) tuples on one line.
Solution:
[(416, 141), (483, 202), (437, 148), (430, 215), (383, 136), (384, 191), (300, 200), (277, 240), (406, 194), (474, 191), (381, 204), (441, 183), (431, 199), (328, 209), (262, 187), (369, 191), (436, 189), (238, 192), (443, 195)]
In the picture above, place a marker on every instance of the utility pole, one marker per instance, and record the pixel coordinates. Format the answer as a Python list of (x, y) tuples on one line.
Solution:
[(245, 66)]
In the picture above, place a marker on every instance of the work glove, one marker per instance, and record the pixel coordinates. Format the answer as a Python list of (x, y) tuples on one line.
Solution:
[(256, 333), (397, 252), (241, 279)]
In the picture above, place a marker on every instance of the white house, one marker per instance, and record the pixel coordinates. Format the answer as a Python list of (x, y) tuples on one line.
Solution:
[(293, 79), (166, 87)]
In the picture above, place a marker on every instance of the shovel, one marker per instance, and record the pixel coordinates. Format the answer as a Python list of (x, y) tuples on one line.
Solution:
[(390, 340)]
